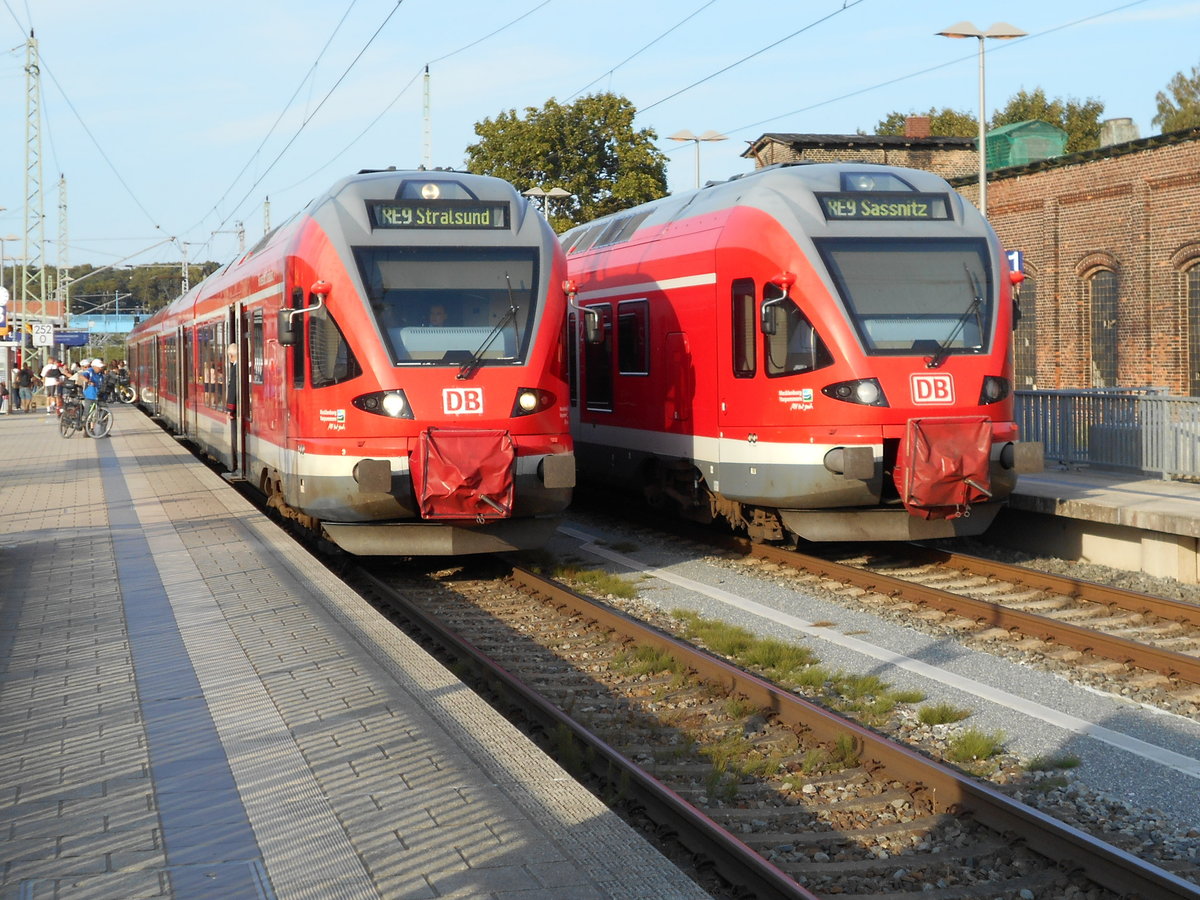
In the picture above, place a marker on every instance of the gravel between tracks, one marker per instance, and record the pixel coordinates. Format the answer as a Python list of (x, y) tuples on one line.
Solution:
[(1104, 796)]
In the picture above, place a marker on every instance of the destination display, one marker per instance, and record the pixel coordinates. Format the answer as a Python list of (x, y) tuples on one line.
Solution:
[(884, 206), (438, 214)]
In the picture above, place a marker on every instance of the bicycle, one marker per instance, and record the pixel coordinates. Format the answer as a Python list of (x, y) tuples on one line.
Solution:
[(70, 417), (97, 422), (89, 416)]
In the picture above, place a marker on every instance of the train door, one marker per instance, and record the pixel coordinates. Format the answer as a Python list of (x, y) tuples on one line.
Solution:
[(237, 407), (598, 367), (182, 368)]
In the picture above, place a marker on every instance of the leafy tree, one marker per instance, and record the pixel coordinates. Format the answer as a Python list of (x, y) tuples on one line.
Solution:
[(1081, 121), (588, 148), (945, 122), (141, 288), (1182, 108)]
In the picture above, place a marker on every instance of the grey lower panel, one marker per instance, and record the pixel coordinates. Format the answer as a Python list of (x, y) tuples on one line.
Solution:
[(884, 524), (434, 539)]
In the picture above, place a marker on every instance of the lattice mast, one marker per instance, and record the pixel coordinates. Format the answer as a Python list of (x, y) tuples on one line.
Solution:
[(62, 285), (33, 269)]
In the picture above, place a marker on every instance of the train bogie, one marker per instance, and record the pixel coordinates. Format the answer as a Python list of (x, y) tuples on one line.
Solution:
[(388, 367), (820, 350)]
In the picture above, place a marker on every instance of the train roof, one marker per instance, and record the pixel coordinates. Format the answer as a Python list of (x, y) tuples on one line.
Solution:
[(788, 191), (354, 209)]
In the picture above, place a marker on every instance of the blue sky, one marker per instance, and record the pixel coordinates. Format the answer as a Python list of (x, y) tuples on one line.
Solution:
[(173, 121)]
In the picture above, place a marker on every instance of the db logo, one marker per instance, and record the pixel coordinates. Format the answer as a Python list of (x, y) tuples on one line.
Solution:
[(462, 401), (932, 388)]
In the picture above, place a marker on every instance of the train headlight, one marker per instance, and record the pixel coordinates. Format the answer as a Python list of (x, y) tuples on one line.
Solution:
[(530, 401), (994, 390), (393, 404), (863, 391)]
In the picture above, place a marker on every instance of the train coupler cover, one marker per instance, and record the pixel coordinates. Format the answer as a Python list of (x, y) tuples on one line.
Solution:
[(464, 474), (944, 466)]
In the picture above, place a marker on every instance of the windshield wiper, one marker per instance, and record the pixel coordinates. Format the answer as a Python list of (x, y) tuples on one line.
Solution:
[(973, 307), (468, 368)]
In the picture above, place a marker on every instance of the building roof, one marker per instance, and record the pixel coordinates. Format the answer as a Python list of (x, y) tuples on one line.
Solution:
[(1084, 156), (854, 141)]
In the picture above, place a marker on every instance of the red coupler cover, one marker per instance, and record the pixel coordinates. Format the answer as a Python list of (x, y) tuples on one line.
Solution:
[(942, 467), (463, 474)]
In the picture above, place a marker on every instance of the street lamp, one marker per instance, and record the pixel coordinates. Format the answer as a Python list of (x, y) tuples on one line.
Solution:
[(555, 192), (686, 135), (1001, 31)]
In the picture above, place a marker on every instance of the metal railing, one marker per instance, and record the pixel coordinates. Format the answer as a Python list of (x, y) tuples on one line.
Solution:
[(1130, 429)]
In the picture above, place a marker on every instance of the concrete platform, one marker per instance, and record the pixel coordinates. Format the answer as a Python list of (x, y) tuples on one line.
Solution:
[(192, 707), (1128, 522)]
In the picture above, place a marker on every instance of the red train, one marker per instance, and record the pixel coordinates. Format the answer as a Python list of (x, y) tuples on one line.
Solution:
[(404, 388), (816, 350)]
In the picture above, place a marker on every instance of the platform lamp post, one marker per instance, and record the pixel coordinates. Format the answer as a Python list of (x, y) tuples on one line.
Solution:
[(686, 135), (544, 197), (1000, 31)]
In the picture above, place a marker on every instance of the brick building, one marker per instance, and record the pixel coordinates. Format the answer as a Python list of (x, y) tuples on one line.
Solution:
[(1111, 244), (1111, 241)]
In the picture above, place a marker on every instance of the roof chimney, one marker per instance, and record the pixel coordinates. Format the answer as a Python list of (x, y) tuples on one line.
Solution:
[(917, 127)]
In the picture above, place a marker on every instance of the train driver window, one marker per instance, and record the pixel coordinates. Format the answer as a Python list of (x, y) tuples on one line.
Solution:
[(744, 326), (795, 347), (330, 357)]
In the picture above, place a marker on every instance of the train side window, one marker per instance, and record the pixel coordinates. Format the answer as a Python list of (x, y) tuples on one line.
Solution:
[(597, 364), (795, 347), (745, 361), (257, 362), (329, 354), (633, 337)]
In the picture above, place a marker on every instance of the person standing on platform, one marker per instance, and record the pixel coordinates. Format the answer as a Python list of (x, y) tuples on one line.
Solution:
[(52, 376), (25, 389)]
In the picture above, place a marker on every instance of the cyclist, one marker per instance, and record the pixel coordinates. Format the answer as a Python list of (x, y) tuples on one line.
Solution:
[(91, 390)]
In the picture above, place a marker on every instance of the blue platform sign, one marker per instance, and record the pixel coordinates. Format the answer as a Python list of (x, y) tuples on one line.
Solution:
[(72, 338), (1016, 260)]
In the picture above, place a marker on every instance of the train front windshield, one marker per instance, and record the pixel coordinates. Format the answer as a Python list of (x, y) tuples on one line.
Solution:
[(452, 306), (914, 296)]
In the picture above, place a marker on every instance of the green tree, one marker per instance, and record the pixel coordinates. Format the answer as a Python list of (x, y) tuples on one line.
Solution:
[(945, 122), (144, 288), (1080, 120), (588, 148), (1181, 109)]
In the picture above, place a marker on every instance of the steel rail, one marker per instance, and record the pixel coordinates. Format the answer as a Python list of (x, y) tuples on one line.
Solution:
[(1121, 598), (735, 861), (946, 789), (1086, 640)]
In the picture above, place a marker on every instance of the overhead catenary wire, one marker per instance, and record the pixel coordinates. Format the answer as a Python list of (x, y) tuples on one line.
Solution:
[(848, 4), (313, 114), (283, 112), (1004, 45), (419, 72), (644, 48)]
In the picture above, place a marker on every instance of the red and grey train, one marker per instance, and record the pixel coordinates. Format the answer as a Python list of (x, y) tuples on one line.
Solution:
[(811, 350), (388, 366)]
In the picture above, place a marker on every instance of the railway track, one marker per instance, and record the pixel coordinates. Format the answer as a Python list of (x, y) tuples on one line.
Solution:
[(1153, 642), (783, 797)]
